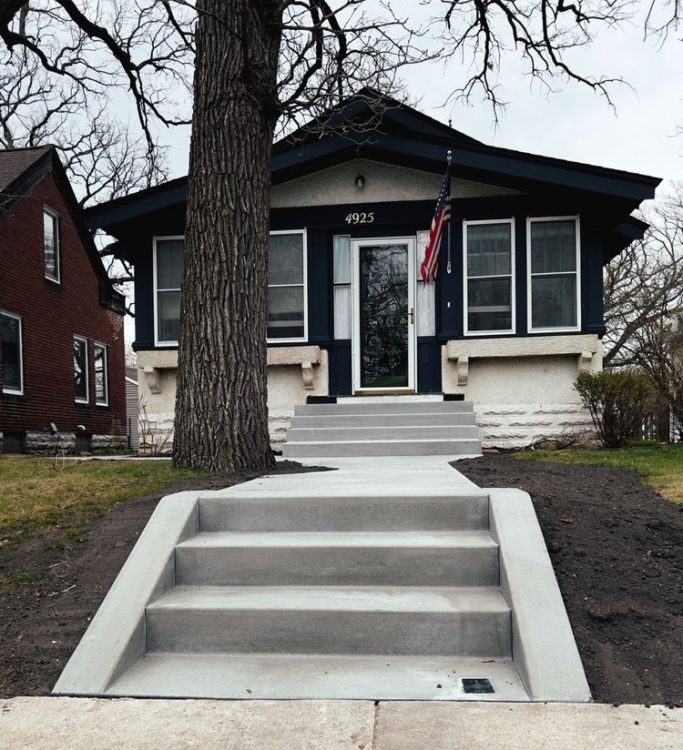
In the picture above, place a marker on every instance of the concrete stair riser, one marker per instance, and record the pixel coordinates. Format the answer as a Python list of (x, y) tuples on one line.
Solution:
[(361, 432), (383, 448), (454, 512), (384, 420), (389, 407), (339, 566), (328, 631)]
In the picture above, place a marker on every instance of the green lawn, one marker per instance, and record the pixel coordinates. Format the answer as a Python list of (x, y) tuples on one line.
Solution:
[(659, 466), (34, 494)]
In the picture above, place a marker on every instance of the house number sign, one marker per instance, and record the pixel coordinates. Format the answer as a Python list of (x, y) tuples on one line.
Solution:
[(360, 217)]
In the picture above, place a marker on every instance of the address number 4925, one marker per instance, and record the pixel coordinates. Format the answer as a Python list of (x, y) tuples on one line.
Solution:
[(356, 217)]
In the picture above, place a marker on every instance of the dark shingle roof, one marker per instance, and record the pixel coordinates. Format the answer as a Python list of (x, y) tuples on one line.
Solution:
[(14, 162)]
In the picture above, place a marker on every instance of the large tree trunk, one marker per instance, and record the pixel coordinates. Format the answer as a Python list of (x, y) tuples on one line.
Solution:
[(221, 419)]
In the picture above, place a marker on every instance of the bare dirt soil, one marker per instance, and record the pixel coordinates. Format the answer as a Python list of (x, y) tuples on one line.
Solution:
[(60, 585), (617, 549)]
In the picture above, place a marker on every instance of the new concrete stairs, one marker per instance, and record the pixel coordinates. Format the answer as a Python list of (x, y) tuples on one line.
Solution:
[(391, 426), (331, 597)]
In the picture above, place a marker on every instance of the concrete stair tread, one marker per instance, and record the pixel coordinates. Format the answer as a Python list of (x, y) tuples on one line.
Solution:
[(438, 599), (307, 676), (397, 441), (390, 539)]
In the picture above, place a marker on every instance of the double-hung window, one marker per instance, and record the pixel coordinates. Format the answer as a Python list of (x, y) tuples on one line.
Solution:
[(553, 260), (51, 245), (101, 375), (287, 286), (81, 370), (168, 282), (12, 354), (489, 276)]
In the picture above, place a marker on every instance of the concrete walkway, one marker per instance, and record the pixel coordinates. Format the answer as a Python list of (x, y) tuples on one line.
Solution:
[(91, 724)]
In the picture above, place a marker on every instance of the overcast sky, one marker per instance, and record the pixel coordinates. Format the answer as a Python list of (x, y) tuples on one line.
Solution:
[(574, 123)]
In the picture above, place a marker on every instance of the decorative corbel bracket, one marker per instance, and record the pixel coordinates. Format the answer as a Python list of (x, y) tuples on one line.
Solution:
[(152, 379), (463, 368), (307, 375), (585, 361)]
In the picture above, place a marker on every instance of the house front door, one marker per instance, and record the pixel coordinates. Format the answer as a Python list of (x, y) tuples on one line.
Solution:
[(384, 315)]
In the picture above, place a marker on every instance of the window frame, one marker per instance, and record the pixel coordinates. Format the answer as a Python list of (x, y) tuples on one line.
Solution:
[(530, 275), (86, 400), (95, 346), (156, 290), (14, 391), (58, 246), (304, 284), (513, 291)]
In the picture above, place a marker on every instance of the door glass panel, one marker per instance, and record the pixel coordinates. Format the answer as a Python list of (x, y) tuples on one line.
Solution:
[(383, 295)]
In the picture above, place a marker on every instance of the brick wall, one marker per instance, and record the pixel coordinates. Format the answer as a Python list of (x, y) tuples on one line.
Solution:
[(51, 315)]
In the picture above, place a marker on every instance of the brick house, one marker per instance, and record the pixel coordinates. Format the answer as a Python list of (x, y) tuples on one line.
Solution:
[(61, 321)]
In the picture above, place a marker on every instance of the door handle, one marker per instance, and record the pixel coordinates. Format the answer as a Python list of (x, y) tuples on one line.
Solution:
[(411, 316)]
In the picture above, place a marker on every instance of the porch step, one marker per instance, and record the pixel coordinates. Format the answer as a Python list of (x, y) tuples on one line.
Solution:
[(331, 620), (414, 419), (389, 406), (390, 426), (375, 558), (315, 676), (422, 447), (456, 510), (362, 432)]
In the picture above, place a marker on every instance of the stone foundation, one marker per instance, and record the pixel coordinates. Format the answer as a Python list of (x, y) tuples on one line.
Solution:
[(43, 443)]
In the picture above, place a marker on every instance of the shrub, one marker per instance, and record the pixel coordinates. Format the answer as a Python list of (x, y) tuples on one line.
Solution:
[(616, 401)]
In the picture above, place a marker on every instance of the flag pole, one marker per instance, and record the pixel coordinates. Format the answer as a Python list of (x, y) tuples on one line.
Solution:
[(449, 156)]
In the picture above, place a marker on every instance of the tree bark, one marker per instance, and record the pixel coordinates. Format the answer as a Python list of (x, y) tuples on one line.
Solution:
[(221, 417)]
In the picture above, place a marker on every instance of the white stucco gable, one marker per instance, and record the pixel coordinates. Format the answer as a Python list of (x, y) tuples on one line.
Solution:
[(383, 183)]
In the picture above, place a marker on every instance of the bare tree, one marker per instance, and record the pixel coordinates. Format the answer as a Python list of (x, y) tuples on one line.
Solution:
[(644, 304), (262, 66)]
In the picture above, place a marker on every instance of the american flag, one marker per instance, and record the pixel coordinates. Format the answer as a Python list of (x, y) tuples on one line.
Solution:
[(442, 216)]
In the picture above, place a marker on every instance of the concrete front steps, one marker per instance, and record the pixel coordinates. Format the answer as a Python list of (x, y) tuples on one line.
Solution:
[(390, 426), (381, 598)]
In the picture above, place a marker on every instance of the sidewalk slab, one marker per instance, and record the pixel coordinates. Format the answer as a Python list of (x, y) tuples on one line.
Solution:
[(96, 724), (526, 726)]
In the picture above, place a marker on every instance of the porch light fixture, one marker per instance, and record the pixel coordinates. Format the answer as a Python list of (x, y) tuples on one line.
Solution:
[(359, 182)]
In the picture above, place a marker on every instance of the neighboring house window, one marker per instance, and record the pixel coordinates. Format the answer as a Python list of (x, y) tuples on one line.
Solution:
[(101, 375), (287, 286), (168, 282), (553, 259), (12, 354), (489, 286), (81, 369), (51, 245)]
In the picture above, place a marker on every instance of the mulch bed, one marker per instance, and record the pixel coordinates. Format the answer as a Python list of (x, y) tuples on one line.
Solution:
[(42, 622), (617, 549), (616, 545)]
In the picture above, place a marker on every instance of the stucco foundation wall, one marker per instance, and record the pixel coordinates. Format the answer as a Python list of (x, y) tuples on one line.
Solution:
[(289, 383), (520, 400)]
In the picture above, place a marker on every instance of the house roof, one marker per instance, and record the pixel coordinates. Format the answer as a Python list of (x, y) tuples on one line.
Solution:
[(21, 170), (401, 135), (14, 162)]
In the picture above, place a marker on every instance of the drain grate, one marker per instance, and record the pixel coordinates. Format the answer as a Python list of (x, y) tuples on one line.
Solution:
[(477, 685)]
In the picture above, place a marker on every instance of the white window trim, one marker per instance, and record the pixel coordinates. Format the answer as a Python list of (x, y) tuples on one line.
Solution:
[(305, 286), (99, 345), (155, 239), (20, 390), (513, 291), (85, 400), (58, 248), (577, 272)]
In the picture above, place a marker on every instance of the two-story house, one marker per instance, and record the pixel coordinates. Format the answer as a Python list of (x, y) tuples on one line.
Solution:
[(515, 312), (61, 321)]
